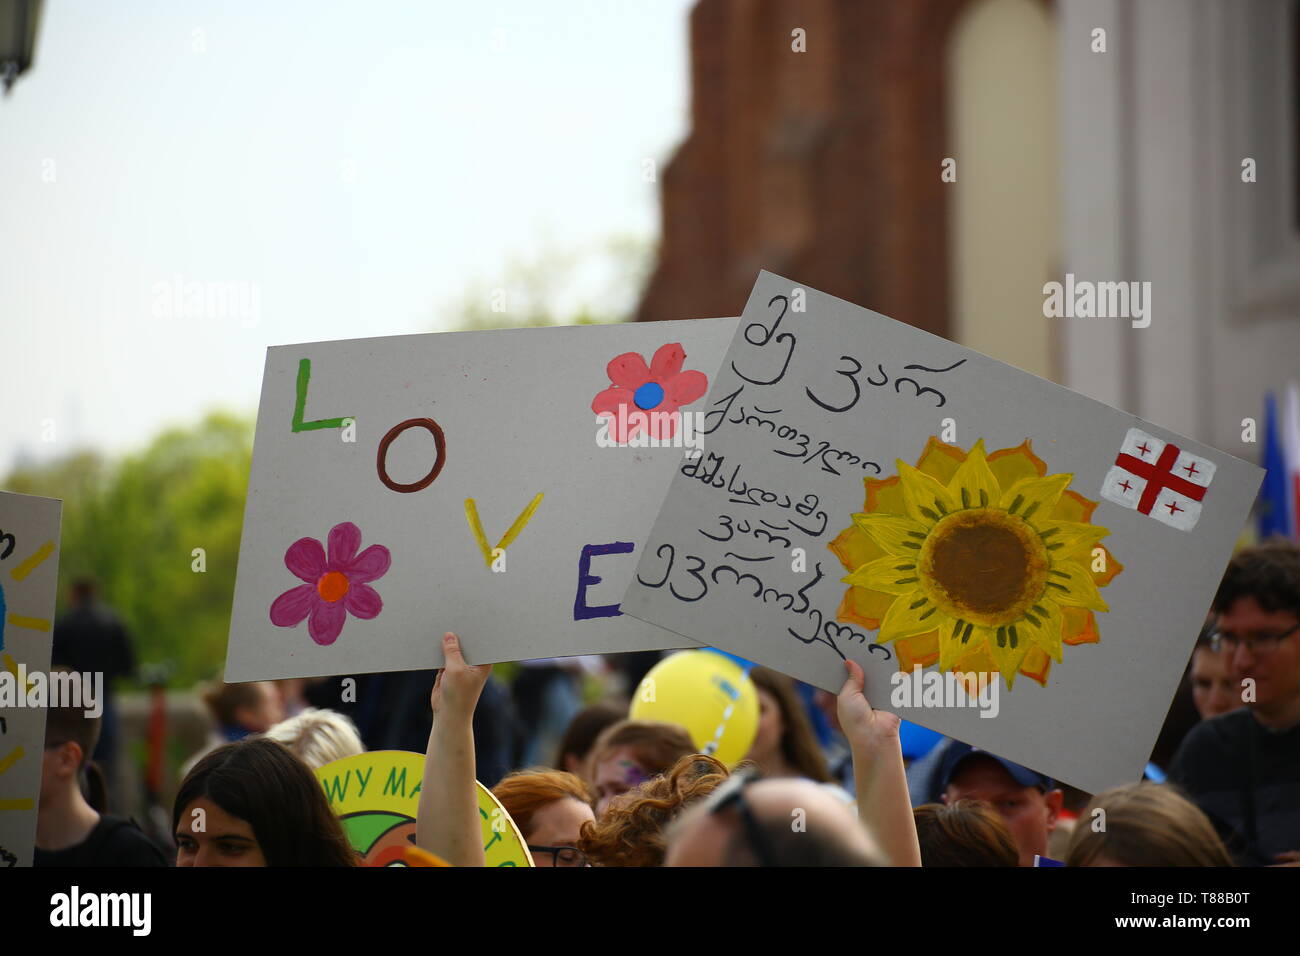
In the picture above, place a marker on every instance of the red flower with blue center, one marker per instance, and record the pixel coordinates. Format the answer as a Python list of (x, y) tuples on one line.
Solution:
[(648, 397)]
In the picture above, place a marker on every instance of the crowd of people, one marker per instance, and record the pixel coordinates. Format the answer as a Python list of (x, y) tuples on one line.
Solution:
[(822, 785)]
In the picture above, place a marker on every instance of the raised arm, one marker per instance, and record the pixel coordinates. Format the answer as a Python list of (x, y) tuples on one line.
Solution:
[(884, 806), (447, 822)]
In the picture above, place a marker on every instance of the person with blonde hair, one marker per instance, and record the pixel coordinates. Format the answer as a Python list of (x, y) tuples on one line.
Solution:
[(1145, 824), (318, 737)]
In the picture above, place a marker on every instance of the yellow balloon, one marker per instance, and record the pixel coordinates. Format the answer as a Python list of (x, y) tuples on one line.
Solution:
[(708, 694)]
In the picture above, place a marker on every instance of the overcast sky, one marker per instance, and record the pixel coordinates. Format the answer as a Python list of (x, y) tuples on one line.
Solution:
[(330, 169)]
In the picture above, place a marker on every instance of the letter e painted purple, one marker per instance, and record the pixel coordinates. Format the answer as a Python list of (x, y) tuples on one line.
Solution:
[(581, 612)]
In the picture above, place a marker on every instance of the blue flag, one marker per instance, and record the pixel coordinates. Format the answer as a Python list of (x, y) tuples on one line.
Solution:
[(1275, 494)]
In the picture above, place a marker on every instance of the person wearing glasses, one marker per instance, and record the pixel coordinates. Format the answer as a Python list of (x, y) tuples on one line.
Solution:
[(549, 807), (1243, 768)]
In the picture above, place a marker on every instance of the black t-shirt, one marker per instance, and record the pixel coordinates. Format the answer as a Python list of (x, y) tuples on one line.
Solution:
[(1246, 778), (113, 842)]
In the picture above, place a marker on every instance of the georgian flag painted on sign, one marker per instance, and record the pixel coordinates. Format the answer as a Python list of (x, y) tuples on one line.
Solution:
[(1159, 479)]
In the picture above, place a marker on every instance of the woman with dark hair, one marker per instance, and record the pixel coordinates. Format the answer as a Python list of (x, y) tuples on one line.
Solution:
[(253, 803), (784, 745), (583, 730)]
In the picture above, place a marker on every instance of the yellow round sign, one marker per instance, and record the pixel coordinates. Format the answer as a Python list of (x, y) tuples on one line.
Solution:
[(376, 796)]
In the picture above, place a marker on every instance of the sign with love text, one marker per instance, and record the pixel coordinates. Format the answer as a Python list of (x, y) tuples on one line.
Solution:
[(872, 491), (29, 574), (496, 484)]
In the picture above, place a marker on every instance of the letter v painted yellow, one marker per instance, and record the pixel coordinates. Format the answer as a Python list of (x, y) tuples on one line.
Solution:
[(476, 527)]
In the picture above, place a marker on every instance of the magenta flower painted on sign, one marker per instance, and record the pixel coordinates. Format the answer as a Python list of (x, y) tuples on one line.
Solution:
[(338, 583)]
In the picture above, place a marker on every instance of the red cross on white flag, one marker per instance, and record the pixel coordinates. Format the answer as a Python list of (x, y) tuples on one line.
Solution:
[(1159, 479)]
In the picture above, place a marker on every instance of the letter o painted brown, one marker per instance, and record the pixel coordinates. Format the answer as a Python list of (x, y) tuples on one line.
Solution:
[(439, 441)]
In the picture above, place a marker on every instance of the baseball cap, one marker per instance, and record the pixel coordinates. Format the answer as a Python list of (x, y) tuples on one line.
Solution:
[(958, 752)]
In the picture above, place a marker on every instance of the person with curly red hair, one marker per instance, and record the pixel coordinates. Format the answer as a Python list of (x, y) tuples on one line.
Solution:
[(631, 831)]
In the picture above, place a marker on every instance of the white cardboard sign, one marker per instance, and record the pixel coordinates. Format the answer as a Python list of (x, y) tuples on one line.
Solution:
[(406, 486), (29, 574), (987, 522)]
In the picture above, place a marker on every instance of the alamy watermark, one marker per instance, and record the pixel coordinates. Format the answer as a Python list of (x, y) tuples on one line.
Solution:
[(217, 301), (1085, 299), (130, 910), (918, 688), (84, 691), (652, 429)]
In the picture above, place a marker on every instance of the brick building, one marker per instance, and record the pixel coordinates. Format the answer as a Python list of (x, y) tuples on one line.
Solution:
[(1094, 137)]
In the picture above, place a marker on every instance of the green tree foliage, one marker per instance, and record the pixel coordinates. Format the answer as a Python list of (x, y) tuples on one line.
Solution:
[(541, 291), (133, 526)]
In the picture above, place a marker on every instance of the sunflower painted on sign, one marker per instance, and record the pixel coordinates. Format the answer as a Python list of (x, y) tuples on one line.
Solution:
[(976, 562)]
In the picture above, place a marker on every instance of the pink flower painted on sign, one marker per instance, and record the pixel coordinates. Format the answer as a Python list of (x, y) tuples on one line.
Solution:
[(337, 584), (648, 397)]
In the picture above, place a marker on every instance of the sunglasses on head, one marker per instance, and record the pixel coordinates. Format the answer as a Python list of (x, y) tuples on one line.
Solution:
[(732, 794)]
